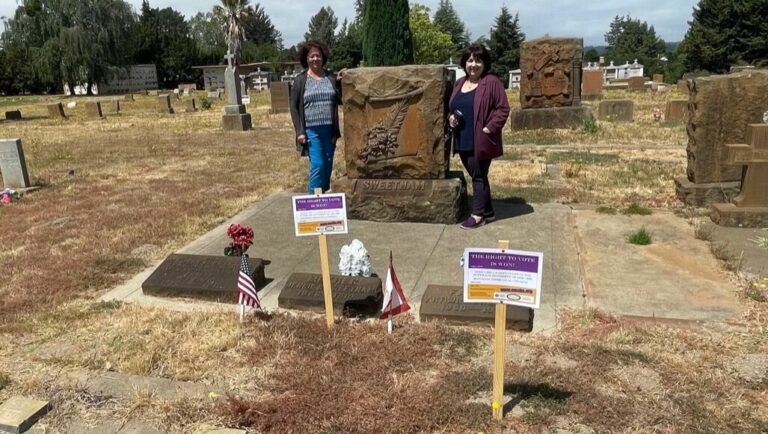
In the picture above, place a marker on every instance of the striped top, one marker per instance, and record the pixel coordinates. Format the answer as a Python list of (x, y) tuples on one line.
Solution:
[(319, 96)]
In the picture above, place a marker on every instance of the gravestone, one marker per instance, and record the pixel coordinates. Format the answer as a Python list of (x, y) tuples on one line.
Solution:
[(56, 111), (720, 108), (750, 207), (592, 84), (128, 97), (18, 414), (682, 86), (191, 105), (617, 110), (12, 164), (352, 295), (636, 84), (550, 85), (396, 153), (658, 78), (93, 109), (201, 276), (114, 105), (235, 118), (164, 104), (13, 115), (677, 110), (214, 94), (446, 303), (153, 92), (280, 96)]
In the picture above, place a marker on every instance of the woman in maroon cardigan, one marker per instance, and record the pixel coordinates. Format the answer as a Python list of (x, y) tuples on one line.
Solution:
[(479, 110)]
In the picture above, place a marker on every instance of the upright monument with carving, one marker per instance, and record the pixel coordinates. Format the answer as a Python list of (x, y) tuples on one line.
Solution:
[(550, 85), (396, 153), (235, 118)]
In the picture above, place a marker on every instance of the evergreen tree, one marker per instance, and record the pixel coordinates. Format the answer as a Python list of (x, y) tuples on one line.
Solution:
[(165, 39), (448, 21), (387, 39), (724, 33), (629, 39), (348, 51), (430, 44), (322, 27), (258, 28), (504, 44)]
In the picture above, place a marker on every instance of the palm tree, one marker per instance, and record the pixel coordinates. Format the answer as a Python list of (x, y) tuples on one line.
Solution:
[(232, 13)]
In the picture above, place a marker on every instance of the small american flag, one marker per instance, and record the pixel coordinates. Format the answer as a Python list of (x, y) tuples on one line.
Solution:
[(246, 290)]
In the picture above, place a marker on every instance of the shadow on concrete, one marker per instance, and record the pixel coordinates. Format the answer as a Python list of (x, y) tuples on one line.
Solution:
[(524, 391), (511, 208)]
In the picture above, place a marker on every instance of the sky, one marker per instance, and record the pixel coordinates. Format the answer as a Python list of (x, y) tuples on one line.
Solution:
[(574, 18)]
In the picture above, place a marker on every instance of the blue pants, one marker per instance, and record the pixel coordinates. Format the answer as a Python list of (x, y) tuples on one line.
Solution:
[(320, 148)]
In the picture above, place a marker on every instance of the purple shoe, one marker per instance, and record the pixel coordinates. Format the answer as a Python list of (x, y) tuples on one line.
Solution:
[(471, 223)]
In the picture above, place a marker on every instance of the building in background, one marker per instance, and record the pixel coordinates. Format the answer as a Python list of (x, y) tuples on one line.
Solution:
[(256, 76), (129, 79)]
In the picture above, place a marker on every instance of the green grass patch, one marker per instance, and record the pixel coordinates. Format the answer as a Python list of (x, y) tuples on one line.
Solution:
[(605, 210), (641, 237), (590, 126), (635, 209), (536, 137), (585, 157)]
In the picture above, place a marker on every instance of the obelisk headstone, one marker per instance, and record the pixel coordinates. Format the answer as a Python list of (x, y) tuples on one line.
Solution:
[(235, 118)]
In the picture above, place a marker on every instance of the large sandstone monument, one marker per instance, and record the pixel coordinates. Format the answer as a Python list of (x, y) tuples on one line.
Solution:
[(550, 85), (719, 109), (395, 146)]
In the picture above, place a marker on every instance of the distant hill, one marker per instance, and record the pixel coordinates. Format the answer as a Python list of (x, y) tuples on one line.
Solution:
[(602, 49)]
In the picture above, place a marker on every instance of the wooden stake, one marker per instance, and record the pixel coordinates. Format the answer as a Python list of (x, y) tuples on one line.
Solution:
[(326, 271), (499, 344)]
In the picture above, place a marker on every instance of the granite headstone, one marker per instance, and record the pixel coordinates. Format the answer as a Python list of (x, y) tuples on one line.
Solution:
[(12, 164)]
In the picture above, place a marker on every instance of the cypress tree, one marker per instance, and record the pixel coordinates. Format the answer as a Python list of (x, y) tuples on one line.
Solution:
[(387, 37), (504, 45)]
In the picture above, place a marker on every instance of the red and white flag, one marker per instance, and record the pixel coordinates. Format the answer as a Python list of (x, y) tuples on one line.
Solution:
[(394, 298), (246, 290)]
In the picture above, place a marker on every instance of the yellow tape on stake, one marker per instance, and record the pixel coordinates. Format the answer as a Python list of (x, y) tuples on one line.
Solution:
[(326, 272)]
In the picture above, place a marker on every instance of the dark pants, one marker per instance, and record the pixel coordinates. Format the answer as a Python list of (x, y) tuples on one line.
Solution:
[(478, 170)]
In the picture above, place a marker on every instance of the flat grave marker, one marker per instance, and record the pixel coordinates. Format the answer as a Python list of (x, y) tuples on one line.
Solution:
[(352, 296), (18, 414), (442, 302)]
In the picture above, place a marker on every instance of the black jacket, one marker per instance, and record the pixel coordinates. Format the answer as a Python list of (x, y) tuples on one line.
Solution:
[(297, 108)]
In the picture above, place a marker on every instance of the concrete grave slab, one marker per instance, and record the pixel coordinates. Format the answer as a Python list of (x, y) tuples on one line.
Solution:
[(18, 414)]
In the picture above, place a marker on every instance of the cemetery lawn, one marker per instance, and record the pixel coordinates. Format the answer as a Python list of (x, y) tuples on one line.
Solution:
[(123, 192)]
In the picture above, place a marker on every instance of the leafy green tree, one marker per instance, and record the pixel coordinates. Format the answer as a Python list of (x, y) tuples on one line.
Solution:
[(430, 44), (448, 21), (724, 33), (387, 39), (206, 30), (348, 51), (165, 39), (591, 55), (322, 27), (504, 44), (630, 38)]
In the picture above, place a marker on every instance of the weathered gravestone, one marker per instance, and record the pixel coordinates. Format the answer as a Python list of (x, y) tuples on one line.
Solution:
[(550, 85), (677, 110), (720, 108), (658, 78), (56, 111), (128, 97), (13, 115), (617, 110), (280, 96), (446, 303), (191, 105), (395, 146), (164, 104), (12, 164), (592, 84), (352, 296), (636, 84), (153, 92), (235, 118), (750, 207), (93, 109), (18, 414), (214, 94), (682, 85), (201, 276), (114, 105)]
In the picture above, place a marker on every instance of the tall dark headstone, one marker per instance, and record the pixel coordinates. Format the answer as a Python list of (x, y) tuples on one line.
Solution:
[(395, 146), (550, 85)]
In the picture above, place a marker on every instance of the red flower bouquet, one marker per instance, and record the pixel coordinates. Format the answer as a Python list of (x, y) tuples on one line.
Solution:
[(242, 238)]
